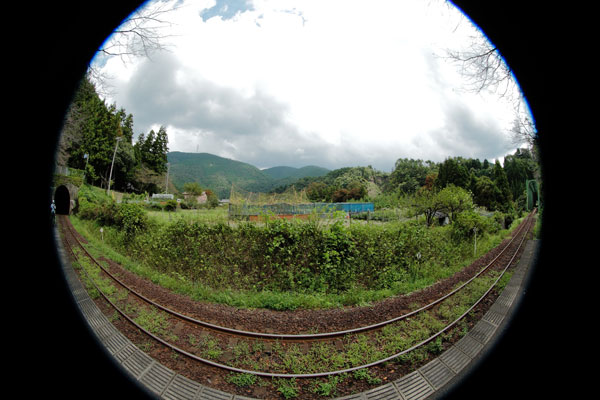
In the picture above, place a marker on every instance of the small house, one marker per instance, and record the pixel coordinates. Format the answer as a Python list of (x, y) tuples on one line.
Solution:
[(442, 218), (201, 199)]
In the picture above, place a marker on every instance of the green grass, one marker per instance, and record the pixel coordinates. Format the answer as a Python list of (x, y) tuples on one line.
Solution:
[(152, 320), (287, 387), (212, 216), (241, 380)]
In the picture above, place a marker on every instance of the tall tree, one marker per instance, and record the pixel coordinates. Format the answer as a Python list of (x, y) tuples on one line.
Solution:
[(159, 150), (98, 132), (519, 167), (501, 181), (409, 175), (91, 128), (452, 171), (487, 194)]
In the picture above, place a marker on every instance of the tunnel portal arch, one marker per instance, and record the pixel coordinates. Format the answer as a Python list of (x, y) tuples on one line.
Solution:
[(62, 199)]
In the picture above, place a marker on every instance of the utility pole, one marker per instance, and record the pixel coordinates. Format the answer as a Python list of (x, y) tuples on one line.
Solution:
[(86, 157), (113, 163), (167, 184)]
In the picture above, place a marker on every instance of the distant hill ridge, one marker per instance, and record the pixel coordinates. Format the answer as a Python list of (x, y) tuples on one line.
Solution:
[(286, 172), (219, 173)]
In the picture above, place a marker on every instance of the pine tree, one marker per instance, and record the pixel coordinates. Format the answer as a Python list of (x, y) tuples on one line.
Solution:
[(160, 150), (501, 182), (452, 171)]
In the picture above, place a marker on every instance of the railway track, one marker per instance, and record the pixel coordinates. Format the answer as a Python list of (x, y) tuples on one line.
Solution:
[(267, 353)]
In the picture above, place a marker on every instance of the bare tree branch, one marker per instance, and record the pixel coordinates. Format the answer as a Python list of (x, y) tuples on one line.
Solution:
[(143, 33), (523, 130), (483, 67)]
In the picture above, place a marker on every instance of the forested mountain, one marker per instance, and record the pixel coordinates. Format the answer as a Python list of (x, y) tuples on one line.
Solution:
[(289, 175), (216, 173), (219, 174), (295, 173)]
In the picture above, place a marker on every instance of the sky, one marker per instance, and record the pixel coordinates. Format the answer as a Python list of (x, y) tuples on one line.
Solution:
[(332, 83)]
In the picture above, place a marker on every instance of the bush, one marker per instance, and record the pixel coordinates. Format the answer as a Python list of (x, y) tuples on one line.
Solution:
[(153, 206), (131, 218), (94, 204), (171, 205), (86, 209), (302, 257), (463, 224)]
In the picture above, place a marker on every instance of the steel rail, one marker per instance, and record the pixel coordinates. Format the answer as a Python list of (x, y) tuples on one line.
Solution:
[(307, 336), (320, 374)]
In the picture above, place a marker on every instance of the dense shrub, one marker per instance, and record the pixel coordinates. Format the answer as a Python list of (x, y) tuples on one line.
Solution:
[(171, 205), (462, 226), (131, 219), (305, 257), (94, 204), (314, 256)]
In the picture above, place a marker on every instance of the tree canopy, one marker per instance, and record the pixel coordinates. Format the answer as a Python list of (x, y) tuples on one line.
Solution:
[(89, 140)]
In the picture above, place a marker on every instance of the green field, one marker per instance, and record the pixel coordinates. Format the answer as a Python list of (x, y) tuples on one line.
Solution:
[(210, 216)]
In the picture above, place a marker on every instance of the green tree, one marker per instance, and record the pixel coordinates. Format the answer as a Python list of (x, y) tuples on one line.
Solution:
[(427, 203), (318, 192), (152, 150), (487, 193), (192, 188), (501, 181), (519, 168), (125, 167), (159, 150), (357, 190), (145, 147), (92, 128), (455, 200), (409, 175), (452, 171), (137, 148), (99, 139), (211, 198)]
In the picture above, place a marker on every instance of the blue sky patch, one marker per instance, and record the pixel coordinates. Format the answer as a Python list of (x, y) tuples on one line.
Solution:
[(227, 9)]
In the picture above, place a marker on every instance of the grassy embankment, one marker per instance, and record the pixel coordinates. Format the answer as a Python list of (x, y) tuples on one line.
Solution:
[(285, 264)]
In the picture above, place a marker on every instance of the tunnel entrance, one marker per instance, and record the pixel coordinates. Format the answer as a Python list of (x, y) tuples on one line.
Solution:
[(62, 199)]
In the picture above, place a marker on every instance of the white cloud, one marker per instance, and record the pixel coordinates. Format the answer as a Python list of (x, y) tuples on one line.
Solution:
[(330, 83)]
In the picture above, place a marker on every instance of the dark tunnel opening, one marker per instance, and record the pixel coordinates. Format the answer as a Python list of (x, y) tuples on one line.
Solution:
[(62, 199)]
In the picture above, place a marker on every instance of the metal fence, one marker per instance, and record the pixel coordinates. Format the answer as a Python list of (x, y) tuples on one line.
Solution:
[(67, 171), (284, 209)]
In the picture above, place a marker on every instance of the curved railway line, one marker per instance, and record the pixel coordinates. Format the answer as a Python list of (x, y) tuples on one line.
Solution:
[(500, 263)]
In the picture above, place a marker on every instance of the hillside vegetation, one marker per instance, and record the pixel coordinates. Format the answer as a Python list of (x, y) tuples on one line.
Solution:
[(284, 264), (219, 174)]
